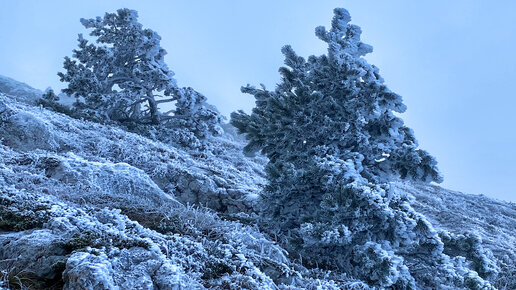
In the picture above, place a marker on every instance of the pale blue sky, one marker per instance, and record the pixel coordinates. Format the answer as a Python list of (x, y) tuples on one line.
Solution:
[(452, 61)]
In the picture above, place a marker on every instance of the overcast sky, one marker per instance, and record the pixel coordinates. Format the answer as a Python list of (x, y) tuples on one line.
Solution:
[(453, 62)]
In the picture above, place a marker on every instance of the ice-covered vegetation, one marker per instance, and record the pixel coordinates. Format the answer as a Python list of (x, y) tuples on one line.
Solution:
[(335, 146), (122, 77), (339, 199)]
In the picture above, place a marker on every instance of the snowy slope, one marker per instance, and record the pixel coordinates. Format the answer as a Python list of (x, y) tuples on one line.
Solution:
[(87, 205), (494, 221), (100, 206), (21, 91)]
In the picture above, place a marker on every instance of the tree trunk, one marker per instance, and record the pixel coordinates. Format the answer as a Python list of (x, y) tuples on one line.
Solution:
[(153, 108), (135, 112)]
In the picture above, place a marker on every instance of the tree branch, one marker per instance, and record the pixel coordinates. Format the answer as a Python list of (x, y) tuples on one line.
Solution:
[(165, 101)]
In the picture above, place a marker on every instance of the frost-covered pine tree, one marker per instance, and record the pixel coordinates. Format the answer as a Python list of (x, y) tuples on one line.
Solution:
[(122, 77), (334, 145)]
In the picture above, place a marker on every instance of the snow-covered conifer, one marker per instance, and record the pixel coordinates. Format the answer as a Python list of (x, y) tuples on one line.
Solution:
[(334, 145), (122, 77), (193, 121), (193, 112)]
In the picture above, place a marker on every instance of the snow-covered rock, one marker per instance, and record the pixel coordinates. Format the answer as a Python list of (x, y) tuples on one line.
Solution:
[(36, 251), (26, 132), (134, 268)]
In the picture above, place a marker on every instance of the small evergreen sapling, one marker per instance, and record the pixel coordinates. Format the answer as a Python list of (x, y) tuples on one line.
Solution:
[(50, 101), (50, 96), (334, 145)]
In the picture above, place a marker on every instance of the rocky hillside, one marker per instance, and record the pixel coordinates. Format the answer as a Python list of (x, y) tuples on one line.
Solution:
[(89, 206), (18, 90), (471, 219)]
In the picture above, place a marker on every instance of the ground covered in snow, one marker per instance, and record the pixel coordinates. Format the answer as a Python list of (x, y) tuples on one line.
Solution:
[(89, 206)]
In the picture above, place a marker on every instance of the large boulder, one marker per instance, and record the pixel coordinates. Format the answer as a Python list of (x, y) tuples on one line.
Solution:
[(38, 252), (24, 131), (106, 184)]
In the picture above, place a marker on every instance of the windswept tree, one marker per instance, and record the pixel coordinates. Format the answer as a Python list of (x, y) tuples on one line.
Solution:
[(122, 76), (334, 146)]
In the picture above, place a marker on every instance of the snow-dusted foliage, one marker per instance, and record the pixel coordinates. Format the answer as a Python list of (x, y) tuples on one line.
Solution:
[(122, 71), (194, 120), (50, 101), (334, 145), (123, 77), (335, 104)]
